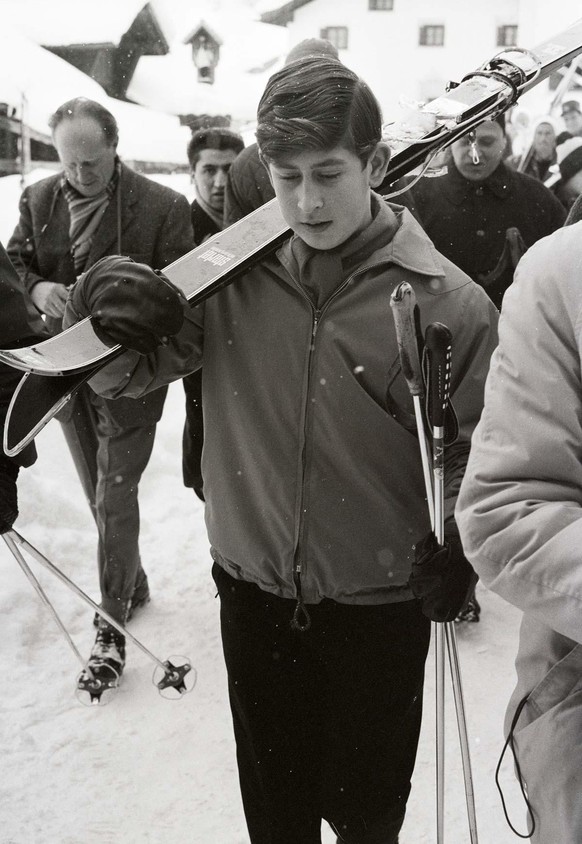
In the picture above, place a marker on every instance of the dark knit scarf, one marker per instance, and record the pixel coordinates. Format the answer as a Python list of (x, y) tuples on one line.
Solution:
[(86, 212), (321, 272)]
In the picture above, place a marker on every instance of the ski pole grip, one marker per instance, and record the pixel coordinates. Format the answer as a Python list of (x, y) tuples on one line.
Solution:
[(406, 317), (438, 346)]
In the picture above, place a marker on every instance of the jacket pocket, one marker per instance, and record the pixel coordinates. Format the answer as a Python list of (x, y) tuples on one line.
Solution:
[(562, 680)]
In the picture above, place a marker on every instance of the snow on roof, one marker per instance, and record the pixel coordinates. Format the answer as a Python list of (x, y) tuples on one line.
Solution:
[(249, 53), (57, 22), (283, 12), (170, 82), (35, 83)]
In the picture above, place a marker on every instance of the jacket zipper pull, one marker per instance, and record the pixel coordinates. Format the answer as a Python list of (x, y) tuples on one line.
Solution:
[(316, 316), (301, 620)]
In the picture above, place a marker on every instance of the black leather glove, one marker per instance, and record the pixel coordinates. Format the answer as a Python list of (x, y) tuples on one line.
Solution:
[(8, 495), (442, 577), (130, 304)]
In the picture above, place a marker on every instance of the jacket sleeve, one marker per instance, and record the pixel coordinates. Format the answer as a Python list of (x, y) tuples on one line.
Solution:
[(21, 247), (176, 236), (520, 506), (134, 375)]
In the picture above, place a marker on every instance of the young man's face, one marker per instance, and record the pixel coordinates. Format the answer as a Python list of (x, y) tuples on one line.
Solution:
[(478, 154), (325, 194), (209, 174)]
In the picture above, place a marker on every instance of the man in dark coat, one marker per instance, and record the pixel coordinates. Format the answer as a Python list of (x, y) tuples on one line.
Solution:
[(95, 207), (211, 153), (481, 214)]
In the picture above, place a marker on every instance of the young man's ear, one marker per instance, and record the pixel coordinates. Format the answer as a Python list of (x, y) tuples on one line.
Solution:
[(378, 164)]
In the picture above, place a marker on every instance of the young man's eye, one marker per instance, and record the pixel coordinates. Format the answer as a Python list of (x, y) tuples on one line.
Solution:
[(330, 176)]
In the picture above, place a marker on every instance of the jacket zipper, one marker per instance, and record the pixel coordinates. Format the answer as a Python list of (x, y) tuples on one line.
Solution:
[(301, 620)]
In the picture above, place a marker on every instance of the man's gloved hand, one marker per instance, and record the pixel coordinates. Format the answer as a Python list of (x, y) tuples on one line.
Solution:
[(442, 577), (130, 304), (8, 494)]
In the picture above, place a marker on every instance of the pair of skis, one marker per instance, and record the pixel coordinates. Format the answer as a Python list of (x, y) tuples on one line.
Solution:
[(173, 677), (437, 350), (56, 368)]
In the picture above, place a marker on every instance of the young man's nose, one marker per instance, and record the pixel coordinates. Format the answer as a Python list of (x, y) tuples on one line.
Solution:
[(220, 179), (309, 198)]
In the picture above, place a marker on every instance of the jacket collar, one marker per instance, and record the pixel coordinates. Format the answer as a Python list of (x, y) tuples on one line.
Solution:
[(409, 247), (457, 188)]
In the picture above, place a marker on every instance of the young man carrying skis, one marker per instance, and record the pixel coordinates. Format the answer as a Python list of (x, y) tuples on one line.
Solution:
[(314, 490)]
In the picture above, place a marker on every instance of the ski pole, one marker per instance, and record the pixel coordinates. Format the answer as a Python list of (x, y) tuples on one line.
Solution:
[(437, 355), (407, 324), (438, 350), (406, 320), (173, 675), (451, 639), (16, 553)]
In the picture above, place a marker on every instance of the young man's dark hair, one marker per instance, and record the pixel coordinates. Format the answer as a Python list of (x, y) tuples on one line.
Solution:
[(215, 137), (301, 109)]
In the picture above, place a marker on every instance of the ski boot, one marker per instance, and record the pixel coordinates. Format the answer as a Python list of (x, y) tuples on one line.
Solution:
[(104, 667)]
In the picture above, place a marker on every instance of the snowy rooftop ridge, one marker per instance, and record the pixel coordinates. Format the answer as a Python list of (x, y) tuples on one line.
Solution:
[(34, 82), (168, 84), (57, 22)]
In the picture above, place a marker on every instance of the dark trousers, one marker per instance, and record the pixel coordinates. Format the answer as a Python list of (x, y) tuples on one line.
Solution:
[(110, 460), (326, 721)]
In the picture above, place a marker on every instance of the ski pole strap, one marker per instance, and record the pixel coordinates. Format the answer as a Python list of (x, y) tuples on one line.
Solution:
[(510, 742), (407, 324)]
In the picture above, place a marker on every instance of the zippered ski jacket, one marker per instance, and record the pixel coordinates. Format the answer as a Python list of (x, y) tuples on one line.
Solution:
[(310, 480)]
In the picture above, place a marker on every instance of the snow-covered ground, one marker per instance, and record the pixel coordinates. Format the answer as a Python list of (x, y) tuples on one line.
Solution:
[(146, 769)]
